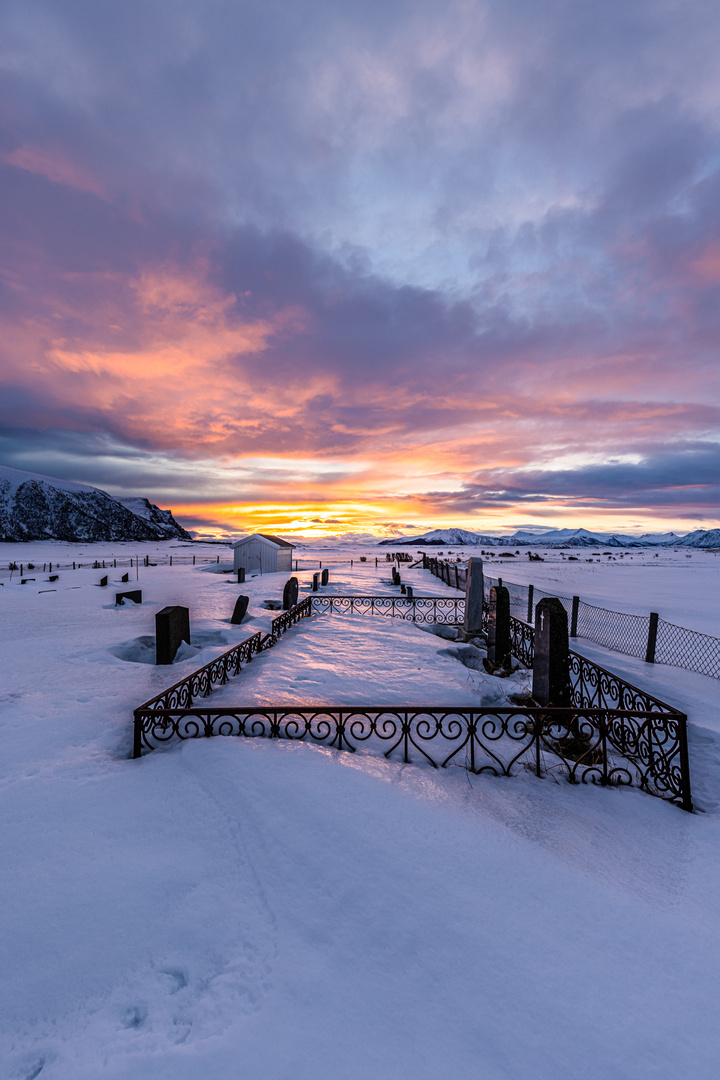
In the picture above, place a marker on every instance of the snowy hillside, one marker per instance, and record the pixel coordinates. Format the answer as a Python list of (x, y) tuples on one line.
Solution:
[(36, 507), (162, 520), (553, 538)]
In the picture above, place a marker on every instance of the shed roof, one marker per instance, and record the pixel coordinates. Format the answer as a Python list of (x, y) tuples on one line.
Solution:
[(276, 541)]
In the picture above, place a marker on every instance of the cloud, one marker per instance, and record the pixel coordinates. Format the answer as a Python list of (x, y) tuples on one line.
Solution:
[(436, 252)]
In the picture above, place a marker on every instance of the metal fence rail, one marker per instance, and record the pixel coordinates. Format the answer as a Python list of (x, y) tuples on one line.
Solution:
[(600, 746), (646, 637), (614, 733), (418, 609)]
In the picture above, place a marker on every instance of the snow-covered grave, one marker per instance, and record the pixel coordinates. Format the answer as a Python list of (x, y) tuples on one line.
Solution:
[(239, 907)]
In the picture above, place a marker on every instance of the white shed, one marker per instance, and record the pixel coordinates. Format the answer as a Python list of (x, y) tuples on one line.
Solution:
[(262, 553)]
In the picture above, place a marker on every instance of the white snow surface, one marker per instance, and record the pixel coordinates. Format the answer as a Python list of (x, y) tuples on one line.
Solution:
[(234, 909)]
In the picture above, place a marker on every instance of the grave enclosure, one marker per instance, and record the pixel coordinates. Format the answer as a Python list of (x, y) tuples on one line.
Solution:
[(582, 720)]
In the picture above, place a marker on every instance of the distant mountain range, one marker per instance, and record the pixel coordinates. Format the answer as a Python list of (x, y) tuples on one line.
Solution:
[(557, 538), (35, 507)]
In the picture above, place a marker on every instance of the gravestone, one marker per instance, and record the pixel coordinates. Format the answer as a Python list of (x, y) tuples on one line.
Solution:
[(103, 582), (551, 667), (315, 582), (172, 625), (498, 635), (472, 625), (324, 576), (133, 594), (125, 578), (241, 575), (241, 606), (409, 591), (403, 588), (53, 577), (290, 593)]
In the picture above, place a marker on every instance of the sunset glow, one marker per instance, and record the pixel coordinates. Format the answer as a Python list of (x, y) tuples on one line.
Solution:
[(360, 279)]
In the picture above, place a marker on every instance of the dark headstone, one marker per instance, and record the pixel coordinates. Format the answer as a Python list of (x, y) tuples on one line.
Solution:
[(103, 582), (172, 625), (134, 594), (53, 577), (125, 578), (241, 606), (409, 591), (403, 588), (315, 582), (551, 667), (473, 597), (324, 576), (498, 637), (290, 593), (241, 575)]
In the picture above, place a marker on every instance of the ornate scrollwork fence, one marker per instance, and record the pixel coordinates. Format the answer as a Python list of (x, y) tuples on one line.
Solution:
[(419, 609), (613, 734), (602, 746)]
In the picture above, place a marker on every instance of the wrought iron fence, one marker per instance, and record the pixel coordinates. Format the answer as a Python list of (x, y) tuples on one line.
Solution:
[(647, 750), (614, 733), (418, 609), (643, 636)]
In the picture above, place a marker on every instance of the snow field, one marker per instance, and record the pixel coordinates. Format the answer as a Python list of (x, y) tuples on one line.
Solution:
[(233, 908)]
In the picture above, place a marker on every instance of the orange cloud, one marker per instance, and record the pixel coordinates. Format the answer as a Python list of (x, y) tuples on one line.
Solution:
[(55, 166)]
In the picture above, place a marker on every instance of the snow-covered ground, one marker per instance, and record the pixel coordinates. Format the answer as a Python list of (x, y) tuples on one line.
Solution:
[(251, 909)]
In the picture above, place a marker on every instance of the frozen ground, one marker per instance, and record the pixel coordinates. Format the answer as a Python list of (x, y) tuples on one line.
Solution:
[(237, 909)]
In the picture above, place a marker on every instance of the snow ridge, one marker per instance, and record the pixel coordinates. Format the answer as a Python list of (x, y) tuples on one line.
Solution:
[(555, 538)]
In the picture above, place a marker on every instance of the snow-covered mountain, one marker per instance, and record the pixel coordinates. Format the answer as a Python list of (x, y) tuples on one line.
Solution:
[(701, 538), (449, 537), (36, 507), (557, 538)]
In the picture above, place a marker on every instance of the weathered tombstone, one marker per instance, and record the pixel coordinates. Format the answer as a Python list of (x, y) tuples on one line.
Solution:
[(473, 597), (241, 575), (409, 591), (324, 576), (290, 593), (172, 625), (498, 636), (315, 582), (241, 606), (103, 581), (134, 594), (551, 667), (53, 577), (125, 578), (403, 588)]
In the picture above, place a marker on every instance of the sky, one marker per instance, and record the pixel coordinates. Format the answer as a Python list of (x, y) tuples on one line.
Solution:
[(316, 267)]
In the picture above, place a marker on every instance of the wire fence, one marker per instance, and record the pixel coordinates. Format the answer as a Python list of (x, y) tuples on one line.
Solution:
[(646, 637)]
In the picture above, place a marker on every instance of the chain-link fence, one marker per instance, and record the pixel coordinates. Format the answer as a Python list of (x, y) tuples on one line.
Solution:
[(646, 637)]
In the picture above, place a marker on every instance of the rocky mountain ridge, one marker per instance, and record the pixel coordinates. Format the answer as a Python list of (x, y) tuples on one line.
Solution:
[(37, 507), (557, 538)]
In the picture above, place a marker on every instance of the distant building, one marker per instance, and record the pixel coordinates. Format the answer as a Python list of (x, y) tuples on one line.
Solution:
[(262, 553)]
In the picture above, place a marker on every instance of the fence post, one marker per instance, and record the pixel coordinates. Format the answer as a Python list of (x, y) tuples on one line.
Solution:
[(531, 590), (137, 736), (652, 638), (574, 616)]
